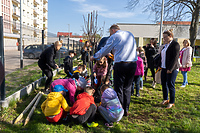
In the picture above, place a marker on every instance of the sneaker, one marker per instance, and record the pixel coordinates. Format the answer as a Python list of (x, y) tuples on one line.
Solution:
[(141, 88), (182, 86), (154, 84), (93, 124), (137, 95), (109, 124)]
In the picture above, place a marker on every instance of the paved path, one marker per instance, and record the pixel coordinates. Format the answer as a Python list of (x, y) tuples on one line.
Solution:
[(12, 61)]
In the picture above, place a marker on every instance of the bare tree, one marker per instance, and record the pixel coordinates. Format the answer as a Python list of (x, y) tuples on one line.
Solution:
[(90, 28), (174, 10)]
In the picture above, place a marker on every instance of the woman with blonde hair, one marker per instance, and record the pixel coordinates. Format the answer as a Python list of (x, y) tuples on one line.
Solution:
[(169, 64), (185, 60)]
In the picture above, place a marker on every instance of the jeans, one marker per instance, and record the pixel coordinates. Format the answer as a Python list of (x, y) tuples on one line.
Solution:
[(141, 82), (184, 73), (168, 84), (137, 82), (123, 79)]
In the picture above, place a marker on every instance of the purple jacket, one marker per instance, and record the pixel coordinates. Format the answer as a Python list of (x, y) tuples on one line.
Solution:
[(110, 101), (140, 67), (68, 84)]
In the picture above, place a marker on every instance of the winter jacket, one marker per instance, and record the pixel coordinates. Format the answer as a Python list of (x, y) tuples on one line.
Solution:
[(51, 106), (100, 71), (140, 67), (83, 102), (85, 54), (186, 59), (110, 101), (47, 57), (68, 64), (68, 84)]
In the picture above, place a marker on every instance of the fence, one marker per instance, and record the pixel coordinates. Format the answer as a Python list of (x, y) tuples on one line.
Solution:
[(31, 35)]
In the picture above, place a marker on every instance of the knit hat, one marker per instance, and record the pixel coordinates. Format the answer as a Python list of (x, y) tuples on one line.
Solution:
[(59, 88), (81, 82)]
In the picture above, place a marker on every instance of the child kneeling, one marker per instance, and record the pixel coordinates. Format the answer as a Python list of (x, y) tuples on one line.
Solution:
[(110, 108), (84, 108), (55, 106)]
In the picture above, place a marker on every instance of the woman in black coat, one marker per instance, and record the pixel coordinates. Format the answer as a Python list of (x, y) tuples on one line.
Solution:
[(150, 51), (85, 51), (169, 64), (46, 62)]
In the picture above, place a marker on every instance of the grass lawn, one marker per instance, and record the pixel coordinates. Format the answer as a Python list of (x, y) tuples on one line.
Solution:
[(146, 113)]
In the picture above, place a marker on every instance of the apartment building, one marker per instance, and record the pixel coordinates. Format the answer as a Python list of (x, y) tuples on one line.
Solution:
[(34, 20)]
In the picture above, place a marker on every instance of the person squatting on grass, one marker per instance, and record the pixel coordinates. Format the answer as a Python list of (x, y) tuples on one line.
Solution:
[(68, 63), (55, 106), (84, 108), (139, 72), (123, 46), (110, 108), (185, 60), (100, 69), (46, 62), (169, 64), (72, 85)]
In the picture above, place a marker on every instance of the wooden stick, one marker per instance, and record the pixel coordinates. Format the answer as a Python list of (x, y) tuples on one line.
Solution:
[(33, 108), (26, 109)]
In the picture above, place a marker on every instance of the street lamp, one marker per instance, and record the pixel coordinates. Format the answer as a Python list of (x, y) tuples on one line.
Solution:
[(21, 55), (161, 24)]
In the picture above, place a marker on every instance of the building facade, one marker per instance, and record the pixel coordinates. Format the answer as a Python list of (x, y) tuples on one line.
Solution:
[(143, 32), (34, 20)]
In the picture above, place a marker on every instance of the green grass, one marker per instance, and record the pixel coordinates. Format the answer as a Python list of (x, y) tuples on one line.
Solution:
[(146, 113)]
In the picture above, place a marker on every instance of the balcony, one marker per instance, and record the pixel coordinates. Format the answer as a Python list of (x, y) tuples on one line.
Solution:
[(15, 28), (15, 14), (45, 1), (44, 18), (44, 9), (36, 32), (35, 13), (16, 2), (35, 2), (35, 23), (44, 27)]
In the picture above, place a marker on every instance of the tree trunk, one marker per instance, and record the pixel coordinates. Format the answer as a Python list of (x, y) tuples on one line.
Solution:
[(194, 24)]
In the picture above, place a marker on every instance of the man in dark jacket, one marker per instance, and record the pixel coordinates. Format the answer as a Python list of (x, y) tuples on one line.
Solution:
[(46, 62), (68, 63)]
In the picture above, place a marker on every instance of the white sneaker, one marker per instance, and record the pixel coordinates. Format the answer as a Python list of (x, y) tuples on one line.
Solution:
[(182, 86), (154, 84), (141, 88)]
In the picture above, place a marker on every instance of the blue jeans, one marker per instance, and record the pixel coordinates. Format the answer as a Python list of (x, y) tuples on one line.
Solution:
[(141, 82), (136, 82), (184, 73), (168, 84)]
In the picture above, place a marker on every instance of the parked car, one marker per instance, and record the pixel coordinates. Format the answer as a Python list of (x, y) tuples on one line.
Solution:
[(34, 51), (63, 52)]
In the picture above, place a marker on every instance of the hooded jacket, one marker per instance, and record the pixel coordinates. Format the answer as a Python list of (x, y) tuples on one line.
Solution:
[(51, 106), (83, 102), (68, 84), (140, 67), (110, 101)]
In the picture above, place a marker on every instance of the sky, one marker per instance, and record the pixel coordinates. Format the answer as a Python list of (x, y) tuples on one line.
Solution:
[(67, 15)]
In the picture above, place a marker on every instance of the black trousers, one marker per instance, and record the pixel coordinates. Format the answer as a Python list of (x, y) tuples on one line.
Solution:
[(48, 72), (88, 116), (151, 66), (123, 79)]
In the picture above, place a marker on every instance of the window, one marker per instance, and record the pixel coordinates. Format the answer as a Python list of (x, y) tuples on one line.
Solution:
[(24, 13), (28, 15)]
